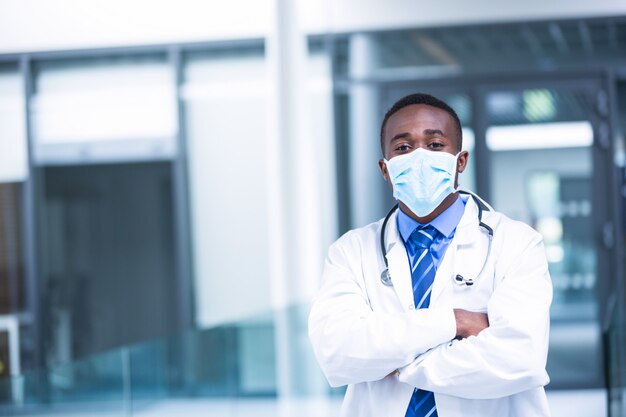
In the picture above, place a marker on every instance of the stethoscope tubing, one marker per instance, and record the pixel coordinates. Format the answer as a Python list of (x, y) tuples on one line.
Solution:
[(385, 276)]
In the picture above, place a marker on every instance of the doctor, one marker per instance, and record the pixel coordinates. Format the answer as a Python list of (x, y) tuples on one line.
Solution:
[(459, 327)]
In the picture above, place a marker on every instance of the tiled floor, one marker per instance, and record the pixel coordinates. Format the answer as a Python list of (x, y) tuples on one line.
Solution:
[(579, 403)]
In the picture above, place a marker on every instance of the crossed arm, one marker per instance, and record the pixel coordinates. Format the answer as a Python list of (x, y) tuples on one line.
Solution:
[(469, 323), (494, 354)]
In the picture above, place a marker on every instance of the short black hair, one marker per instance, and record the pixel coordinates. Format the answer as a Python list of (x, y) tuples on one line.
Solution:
[(422, 98)]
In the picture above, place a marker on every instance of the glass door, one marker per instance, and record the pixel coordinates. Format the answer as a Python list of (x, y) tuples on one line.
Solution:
[(104, 135), (540, 143)]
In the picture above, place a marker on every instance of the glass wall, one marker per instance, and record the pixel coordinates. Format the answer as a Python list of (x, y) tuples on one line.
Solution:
[(104, 134), (104, 110), (13, 174), (616, 330), (540, 142), (227, 370)]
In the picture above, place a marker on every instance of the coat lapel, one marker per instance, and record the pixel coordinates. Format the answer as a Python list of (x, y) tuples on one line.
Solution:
[(465, 234), (399, 264)]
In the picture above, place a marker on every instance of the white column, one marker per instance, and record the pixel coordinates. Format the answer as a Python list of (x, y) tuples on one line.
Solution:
[(294, 180), (293, 209), (367, 191)]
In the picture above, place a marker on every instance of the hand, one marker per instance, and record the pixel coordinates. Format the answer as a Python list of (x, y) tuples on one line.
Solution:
[(469, 323)]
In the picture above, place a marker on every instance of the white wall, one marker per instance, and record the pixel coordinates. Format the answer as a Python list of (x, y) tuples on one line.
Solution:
[(227, 103), (226, 128), (36, 25)]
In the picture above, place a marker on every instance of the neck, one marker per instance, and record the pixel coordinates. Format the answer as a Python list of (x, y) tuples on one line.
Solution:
[(445, 204)]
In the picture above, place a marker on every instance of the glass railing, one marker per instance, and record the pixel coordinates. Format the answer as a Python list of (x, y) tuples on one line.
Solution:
[(262, 366)]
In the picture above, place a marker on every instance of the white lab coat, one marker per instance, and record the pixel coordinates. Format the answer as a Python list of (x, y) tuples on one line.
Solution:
[(362, 331)]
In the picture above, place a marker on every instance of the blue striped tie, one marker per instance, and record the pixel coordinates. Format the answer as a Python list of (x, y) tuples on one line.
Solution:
[(422, 402)]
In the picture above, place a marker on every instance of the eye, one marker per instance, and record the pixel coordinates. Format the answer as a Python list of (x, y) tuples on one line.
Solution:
[(402, 147), (436, 145)]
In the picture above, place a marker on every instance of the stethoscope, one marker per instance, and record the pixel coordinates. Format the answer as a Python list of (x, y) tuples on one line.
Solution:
[(385, 277)]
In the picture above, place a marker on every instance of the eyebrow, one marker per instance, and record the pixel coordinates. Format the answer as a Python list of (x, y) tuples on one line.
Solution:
[(433, 132), (399, 136), (426, 132)]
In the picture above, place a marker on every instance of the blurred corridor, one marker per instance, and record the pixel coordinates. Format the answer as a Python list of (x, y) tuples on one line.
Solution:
[(172, 174)]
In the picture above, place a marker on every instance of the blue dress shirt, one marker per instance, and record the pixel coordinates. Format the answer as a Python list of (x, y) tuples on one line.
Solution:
[(445, 224)]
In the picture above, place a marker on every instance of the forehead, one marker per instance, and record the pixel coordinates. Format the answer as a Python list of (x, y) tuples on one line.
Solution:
[(417, 117)]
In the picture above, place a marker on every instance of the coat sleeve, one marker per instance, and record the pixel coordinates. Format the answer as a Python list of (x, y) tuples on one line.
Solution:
[(354, 343), (510, 355)]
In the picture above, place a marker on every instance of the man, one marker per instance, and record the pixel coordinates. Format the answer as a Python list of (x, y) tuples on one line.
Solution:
[(459, 325)]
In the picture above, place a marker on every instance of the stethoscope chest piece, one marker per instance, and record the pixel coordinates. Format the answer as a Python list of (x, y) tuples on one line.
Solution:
[(460, 280), (385, 277)]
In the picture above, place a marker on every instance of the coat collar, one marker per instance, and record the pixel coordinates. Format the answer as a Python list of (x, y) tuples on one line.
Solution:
[(464, 231), (399, 264)]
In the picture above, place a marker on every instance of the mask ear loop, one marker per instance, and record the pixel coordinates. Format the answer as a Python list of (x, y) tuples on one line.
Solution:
[(456, 175)]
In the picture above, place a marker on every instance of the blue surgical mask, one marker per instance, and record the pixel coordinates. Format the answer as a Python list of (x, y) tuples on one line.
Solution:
[(422, 179)]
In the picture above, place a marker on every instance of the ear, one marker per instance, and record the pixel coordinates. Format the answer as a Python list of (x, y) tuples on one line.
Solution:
[(383, 170), (462, 161)]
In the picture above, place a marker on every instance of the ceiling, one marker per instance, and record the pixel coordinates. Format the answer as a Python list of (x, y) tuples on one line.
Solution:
[(549, 44), (408, 55)]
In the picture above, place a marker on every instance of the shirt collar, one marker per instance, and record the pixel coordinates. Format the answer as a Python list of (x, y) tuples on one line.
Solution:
[(445, 223)]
